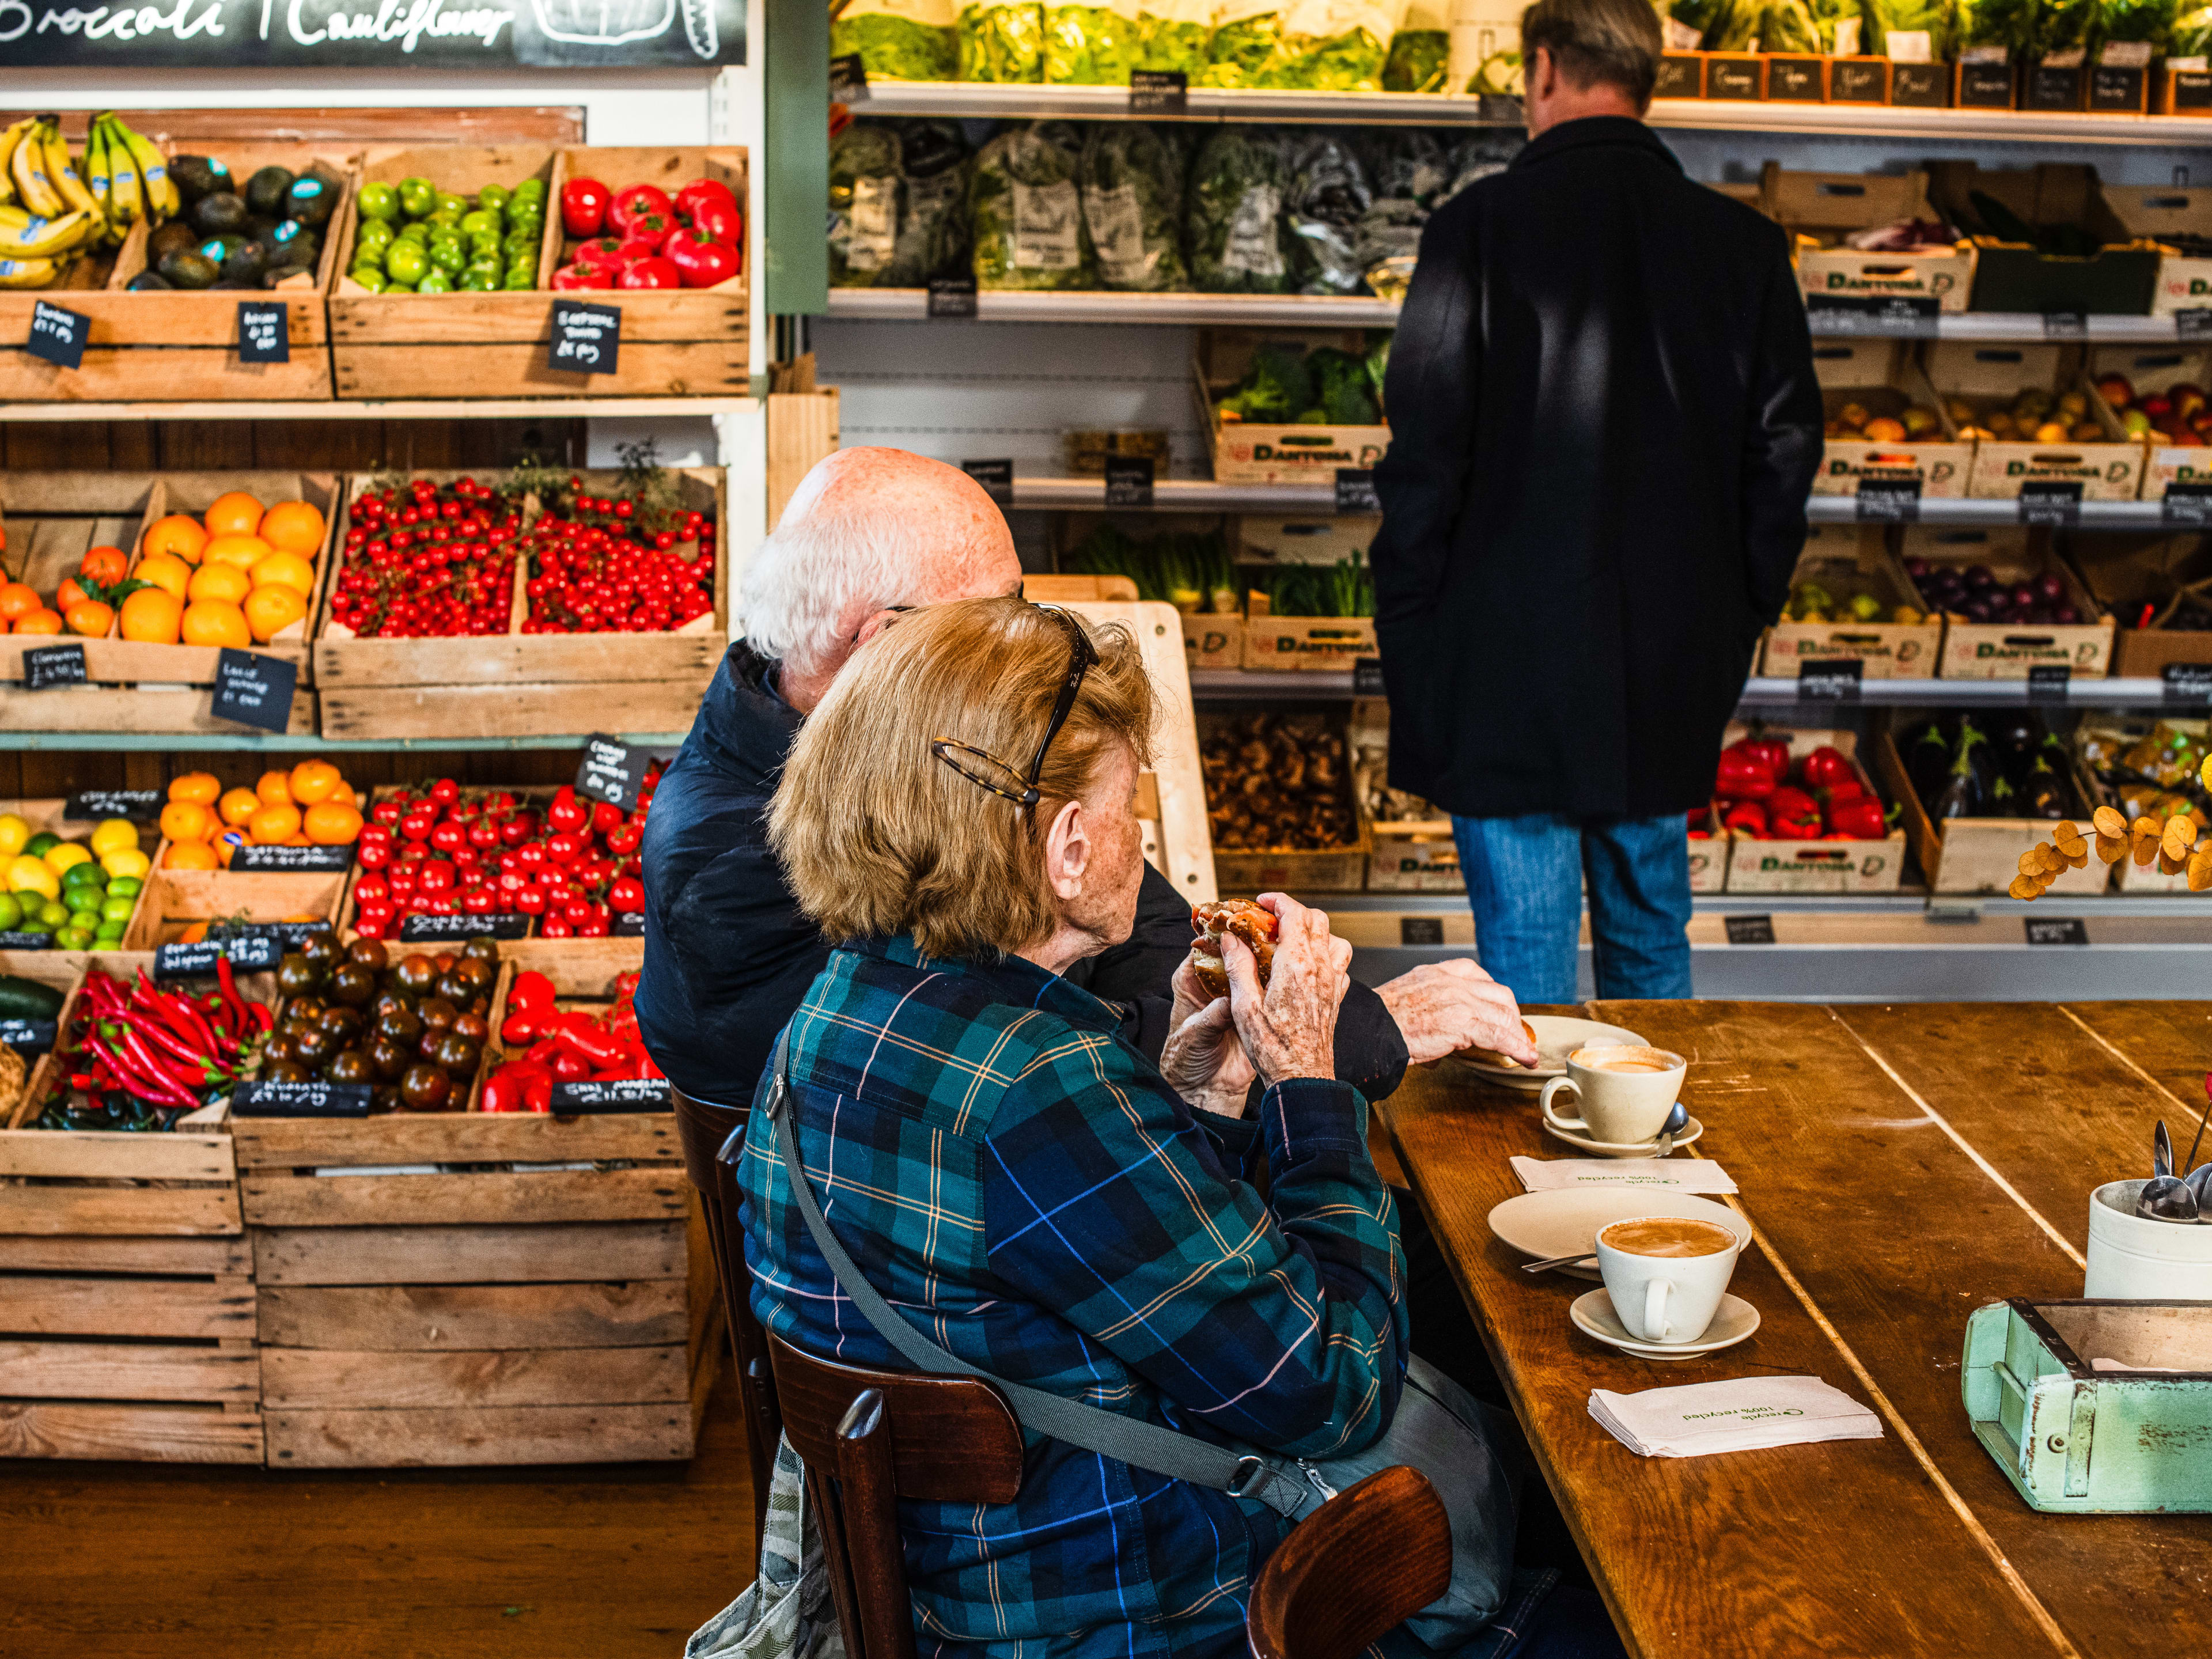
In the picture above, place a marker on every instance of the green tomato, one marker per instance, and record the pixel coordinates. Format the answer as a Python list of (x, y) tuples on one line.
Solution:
[(405, 262), (480, 219), (519, 281), (475, 281), (376, 233), (11, 912), (108, 934), (73, 938), (118, 908), (434, 280), (449, 257), (54, 912), (415, 230), (378, 202), (484, 247), (494, 196), (417, 197), (531, 190), (125, 887), (400, 287), (370, 278), (449, 203)]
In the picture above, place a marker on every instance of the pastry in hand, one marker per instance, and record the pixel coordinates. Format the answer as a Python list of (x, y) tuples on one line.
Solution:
[(1254, 925), (1491, 1057)]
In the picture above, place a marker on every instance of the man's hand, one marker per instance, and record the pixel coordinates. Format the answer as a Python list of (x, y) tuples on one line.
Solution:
[(1442, 1007), (1202, 1058), (1189, 995), (1289, 1028)]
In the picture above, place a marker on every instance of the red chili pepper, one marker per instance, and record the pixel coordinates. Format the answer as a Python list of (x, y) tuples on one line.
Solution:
[(520, 1030), (262, 1017), (144, 1083), (581, 1035)]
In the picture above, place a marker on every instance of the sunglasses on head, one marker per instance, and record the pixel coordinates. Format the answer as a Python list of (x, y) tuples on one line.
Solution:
[(986, 770)]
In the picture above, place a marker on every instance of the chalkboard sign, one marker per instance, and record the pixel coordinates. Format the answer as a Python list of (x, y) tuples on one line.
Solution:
[(586, 337), (1923, 85), (611, 771), (997, 478), (12, 940), (1901, 316), (286, 933), (254, 688), (29, 1036), (1982, 86), (2193, 323), (1355, 490), (849, 79), (1129, 481), (2187, 506), (953, 297), (249, 953), (266, 1098), (495, 924), (2052, 87), (2056, 502), (1834, 680), (2056, 930), (627, 924), (1749, 930), (1420, 929), (1367, 677), (2187, 684), (264, 334), (2047, 682), (57, 335), (139, 806), (49, 665), (1158, 92), (298, 858), (1886, 499), (645, 1094), (2065, 325)]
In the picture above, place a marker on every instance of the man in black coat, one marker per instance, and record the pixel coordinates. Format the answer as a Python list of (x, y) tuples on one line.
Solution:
[(1604, 423)]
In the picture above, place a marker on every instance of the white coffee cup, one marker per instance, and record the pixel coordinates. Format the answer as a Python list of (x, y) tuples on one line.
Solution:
[(1624, 1093), (1666, 1273)]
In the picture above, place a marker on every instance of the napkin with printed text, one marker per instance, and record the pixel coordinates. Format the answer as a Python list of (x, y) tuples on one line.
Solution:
[(1744, 1414), (1683, 1175)]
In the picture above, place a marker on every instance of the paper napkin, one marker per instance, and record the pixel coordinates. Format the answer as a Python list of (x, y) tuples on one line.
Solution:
[(1742, 1415), (1682, 1175)]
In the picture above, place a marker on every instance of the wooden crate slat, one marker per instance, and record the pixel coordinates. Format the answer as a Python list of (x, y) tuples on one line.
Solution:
[(450, 1256), (60, 1306), (145, 1434), (128, 1371), (500, 659), (283, 1143), (114, 708), (653, 1194), (434, 1437), (102, 1155), (66, 1253), (175, 1210), (496, 711), (339, 1380), (385, 1318)]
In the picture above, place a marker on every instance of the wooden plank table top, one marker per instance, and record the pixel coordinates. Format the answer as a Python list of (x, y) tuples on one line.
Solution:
[(1901, 1166)]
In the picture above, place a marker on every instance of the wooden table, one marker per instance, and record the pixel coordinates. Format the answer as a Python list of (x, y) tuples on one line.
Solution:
[(1901, 1165)]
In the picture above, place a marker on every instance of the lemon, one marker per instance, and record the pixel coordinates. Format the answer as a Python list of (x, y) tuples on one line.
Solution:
[(126, 861), (14, 832), (62, 854), (113, 835), (28, 875)]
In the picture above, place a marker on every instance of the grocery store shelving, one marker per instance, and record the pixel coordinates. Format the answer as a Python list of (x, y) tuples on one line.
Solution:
[(418, 409), (1179, 495), (131, 742), (1258, 685), (2094, 515), (1892, 121)]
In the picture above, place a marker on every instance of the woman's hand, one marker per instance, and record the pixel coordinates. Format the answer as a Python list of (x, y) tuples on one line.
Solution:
[(1288, 1028), (1202, 1059)]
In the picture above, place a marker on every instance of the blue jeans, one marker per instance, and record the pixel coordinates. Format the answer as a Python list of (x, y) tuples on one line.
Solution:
[(1522, 882)]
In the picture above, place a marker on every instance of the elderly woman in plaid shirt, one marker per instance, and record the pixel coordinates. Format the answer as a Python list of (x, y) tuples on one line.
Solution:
[(1026, 1187)]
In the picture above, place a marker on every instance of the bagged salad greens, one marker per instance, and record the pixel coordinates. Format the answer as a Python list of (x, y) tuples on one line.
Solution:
[(1787, 25), (898, 209), (1088, 45), (1246, 36), (1001, 41), (1848, 28), (1173, 34), (1327, 196), (1477, 156), (1938, 20), (1235, 212), (1333, 45), (1420, 50), (1025, 212), (898, 39), (1408, 171), (1130, 176)]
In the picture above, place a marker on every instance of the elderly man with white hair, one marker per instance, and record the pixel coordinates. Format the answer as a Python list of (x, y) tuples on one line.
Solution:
[(728, 955)]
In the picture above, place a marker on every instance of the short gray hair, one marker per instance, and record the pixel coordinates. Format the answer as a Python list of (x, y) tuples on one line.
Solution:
[(1616, 41), (815, 569)]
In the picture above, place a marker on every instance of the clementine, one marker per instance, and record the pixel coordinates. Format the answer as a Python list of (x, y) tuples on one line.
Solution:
[(41, 621), (211, 621), (90, 618), (244, 551), (152, 616), (179, 534), (295, 526), (167, 572), (330, 824), (236, 513), (271, 609), (70, 595), (237, 805), (275, 788), (273, 824), (18, 600), (187, 820), (191, 855), (316, 780), (215, 581), (228, 842), (103, 564), (288, 568), (200, 788)]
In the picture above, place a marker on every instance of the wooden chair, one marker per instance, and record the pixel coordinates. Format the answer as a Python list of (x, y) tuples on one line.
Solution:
[(1360, 1564), (871, 1438), (702, 1129)]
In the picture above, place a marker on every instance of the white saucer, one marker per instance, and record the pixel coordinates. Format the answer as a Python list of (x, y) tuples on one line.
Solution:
[(1558, 1036), (1690, 1131), (1542, 1225), (1593, 1314)]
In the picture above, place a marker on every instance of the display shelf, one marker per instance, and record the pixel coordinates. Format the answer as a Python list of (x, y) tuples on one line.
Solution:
[(2094, 515), (438, 409), (1893, 121), (1264, 310), (137, 741), (1179, 495), (1248, 685), (1993, 326)]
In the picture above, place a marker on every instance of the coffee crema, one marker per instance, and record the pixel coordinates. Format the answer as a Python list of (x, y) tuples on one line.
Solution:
[(1668, 1235), (1625, 1065)]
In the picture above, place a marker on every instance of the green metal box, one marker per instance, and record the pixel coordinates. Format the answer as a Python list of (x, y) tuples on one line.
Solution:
[(2095, 1408)]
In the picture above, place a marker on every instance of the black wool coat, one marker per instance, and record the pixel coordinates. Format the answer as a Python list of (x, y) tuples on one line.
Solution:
[(1604, 423)]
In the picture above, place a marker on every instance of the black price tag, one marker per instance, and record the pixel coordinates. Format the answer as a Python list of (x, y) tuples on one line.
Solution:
[(1749, 930), (1420, 929), (265, 1097), (29, 1036), (1355, 490), (2117, 88), (611, 771), (2054, 502), (627, 924), (264, 334), (2194, 324), (57, 335), (1884, 499), (2187, 506), (642, 1094), (12, 940), (139, 806), (953, 297), (1920, 85), (1850, 82), (1903, 316), (1983, 86), (252, 859), (2186, 684), (1835, 680), (48, 666), (289, 934), (849, 79), (492, 924), (254, 688), (1158, 92), (1367, 677), (586, 338), (2065, 325), (2192, 89), (2056, 930), (2047, 681), (248, 952), (1129, 481), (997, 478), (2053, 87)]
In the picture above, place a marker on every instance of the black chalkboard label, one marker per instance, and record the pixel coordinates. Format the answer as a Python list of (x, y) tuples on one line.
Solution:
[(57, 335), (953, 297), (495, 924), (2047, 682), (2187, 506), (2192, 89), (287, 933), (1854, 81), (2056, 930), (642, 1094), (254, 688), (1420, 929), (264, 859), (2065, 325), (2194, 323), (1749, 930), (586, 338), (997, 478), (1835, 680), (1794, 81), (29, 1036), (1920, 85), (249, 953), (265, 333), (1732, 77), (1158, 92), (1983, 86), (1902, 316), (139, 806), (1355, 490), (849, 79), (2053, 87), (1367, 677), (48, 666), (12, 940), (2186, 684), (1681, 75), (1129, 481), (610, 771), (627, 924), (1885, 498), (2051, 501), (266, 1098), (2117, 89)]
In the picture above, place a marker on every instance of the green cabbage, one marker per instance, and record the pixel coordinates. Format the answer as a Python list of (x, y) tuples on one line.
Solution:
[(1026, 213), (1234, 219), (1131, 179), (1416, 63), (894, 48), (1002, 42), (898, 210), (1090, 47)]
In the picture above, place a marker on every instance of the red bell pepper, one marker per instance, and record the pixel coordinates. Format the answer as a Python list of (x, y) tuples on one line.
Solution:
[(1859, 820), (1746, 817), (1743, 775), (1841, 795), (519, 1086), (532, 990), (1775, 751), (1827, 766), (1793, 815)]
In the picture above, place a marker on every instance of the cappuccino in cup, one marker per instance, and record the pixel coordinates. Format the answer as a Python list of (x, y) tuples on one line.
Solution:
[(1624, 1093), (1665, 1274)]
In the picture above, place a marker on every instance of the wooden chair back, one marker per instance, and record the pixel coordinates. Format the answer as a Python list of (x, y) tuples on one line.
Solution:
[(870, 1438), (702, 1127), (1361, 1563)]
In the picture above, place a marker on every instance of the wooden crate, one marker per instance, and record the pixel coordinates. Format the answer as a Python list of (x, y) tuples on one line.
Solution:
[(1334, 869), (1819, 209), (45, 813), (1295, 644), (1989, 376), (1259, 452), (528, 684), (175, 899), (1881, 377), (1976, 855), (1757, 865), (1838, 556), (178, 346), (2004, 651)]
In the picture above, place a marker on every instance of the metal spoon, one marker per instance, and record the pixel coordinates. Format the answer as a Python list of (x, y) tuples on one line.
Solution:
[(2162, 1197), (2161, 1151), (2199, 1183), (1677, 1120), (1558, 1261)]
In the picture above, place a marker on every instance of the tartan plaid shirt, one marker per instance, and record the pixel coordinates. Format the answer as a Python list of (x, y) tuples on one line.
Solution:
[(1028, 1190)]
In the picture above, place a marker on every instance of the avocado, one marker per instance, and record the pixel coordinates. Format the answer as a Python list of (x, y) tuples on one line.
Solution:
[(247, 260), (217, 249), (278, 274), (168, 238), (260, 227), (148, 279), (264, 190), (196, 176), (312, 198), (188, 268), (219, 212)]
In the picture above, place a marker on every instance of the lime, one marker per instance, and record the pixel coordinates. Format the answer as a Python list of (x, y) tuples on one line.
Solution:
[(379, 203), (109, 932), (118, 908), (33, 925), (11, 913), (84, 875), (39, 844), (54, 913), (73, 938), (124, 887)]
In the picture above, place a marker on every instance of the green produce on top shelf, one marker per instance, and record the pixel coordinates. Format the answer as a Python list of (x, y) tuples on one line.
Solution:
[(898, 39), (1788, 25), (1698, 15), (1188, 569), (1420, 51), (1026, 214), (1237, 242), (1331, 46), (1990, 23), (1131, 179), (1173, 36), (1321, 387), (2192, 33), (2065, 26), (2146, 21), (899, 203), (1246, 35), (1939, 19), (1091, 45), (1001, 42)]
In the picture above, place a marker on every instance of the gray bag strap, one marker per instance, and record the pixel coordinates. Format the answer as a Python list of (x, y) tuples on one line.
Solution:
[(1284, 1485)]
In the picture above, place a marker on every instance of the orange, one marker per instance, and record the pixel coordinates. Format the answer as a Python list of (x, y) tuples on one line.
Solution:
[(295, 526), (178, 534), (103, 564), (288, 568), (167, 572), (213, 580), (18, 600), (227, 844), (70, 595), (210, 621), (91, 618), (273, 824), (187, 820), (275, 788), (153, 616), (237, 805), (271, 609), (198, 788), (244, 551), (315, 781), (191, 855), (329, 824), (41, 621), (234, 514)]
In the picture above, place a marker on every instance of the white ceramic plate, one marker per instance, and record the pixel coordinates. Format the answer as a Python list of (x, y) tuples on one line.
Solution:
[(1558, 1036), (1545, 1224), (1593, 1314), (1690, 1131)]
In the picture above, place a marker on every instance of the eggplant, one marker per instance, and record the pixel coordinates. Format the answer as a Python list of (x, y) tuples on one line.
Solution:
[(1928, 763), (2044, 794), (1962, 793)]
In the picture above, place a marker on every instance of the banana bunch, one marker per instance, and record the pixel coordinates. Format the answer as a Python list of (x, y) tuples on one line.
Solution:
[(47, 212), (129, 180)]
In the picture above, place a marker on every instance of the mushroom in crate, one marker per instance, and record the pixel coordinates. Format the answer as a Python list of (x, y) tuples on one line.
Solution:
[(1278, 801)]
